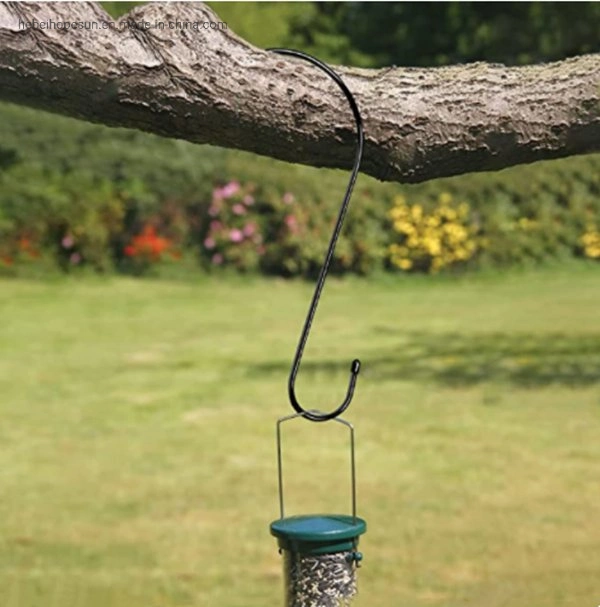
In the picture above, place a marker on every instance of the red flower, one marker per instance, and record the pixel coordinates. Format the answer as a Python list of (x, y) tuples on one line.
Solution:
[(147, 244), (24, 243)]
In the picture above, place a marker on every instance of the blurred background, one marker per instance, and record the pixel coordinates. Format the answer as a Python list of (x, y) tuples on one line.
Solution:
[(80, 197), (152, 293)]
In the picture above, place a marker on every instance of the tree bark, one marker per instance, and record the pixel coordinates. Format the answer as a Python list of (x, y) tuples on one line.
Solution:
[(209, 86)]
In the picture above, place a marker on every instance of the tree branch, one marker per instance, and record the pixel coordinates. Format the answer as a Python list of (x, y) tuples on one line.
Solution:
[(209, 86)]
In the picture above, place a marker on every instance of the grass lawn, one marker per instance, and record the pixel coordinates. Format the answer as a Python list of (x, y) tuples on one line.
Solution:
[(138, 468)]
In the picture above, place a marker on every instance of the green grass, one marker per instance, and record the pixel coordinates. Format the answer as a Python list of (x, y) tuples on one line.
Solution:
[(137, 466)]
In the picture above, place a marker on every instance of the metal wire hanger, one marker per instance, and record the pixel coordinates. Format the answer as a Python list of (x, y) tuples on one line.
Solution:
[(315, 415)]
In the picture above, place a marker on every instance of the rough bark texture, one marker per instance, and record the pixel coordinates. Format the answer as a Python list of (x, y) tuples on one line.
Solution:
[(209, 86)]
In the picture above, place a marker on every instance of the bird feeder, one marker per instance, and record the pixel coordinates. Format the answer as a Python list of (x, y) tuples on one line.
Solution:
[(320, 551)]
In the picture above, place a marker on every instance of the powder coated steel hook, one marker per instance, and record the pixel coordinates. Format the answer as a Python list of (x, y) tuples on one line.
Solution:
[(317, 416)]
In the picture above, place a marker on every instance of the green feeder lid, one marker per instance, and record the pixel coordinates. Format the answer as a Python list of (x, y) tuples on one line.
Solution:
[(318, 533)]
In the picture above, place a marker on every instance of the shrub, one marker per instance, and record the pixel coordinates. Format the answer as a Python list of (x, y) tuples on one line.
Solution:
[(77, 195), (80, 192), (254, 228), (301, 204), (234, 234), (526, 214), (282, 226), (68, 216)]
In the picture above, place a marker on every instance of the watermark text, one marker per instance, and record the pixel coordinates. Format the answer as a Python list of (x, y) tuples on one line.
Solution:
[(126, 24)]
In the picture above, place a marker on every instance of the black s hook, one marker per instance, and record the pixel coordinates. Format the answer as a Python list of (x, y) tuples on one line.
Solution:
[(317, 416)]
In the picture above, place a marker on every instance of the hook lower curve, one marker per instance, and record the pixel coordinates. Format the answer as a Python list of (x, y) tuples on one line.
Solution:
[(318, 416), (314, 415)]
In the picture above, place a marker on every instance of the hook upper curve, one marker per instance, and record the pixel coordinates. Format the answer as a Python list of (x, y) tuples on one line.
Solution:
[(314, 415)]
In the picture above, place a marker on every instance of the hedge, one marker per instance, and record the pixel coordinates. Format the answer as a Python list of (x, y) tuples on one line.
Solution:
[(75, 195)]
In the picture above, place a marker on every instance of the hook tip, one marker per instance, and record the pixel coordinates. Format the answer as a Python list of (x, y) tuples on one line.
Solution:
[(355, 367)]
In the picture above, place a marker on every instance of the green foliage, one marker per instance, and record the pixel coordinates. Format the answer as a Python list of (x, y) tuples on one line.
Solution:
[(523, 215), (375, 34), (116, 9), (78, 195), (66, 181), (71, 215), (264, 24), (151, 168)]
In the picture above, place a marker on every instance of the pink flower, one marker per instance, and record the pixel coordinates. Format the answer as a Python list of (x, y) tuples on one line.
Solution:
[(238, 209), (215, 226), (292, 223), (236, 235), (75, 258), (232, 188), (68, 241), (248, 200), (217, 259), (288, 198), (213, 211), (210, 243), (249, 229)]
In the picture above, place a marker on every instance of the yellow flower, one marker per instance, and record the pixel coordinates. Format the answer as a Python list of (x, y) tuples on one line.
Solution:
[(436, 239), (416, 212), (433, 246), (448, 213), (404, 227), (398, 213), (591, 243)]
